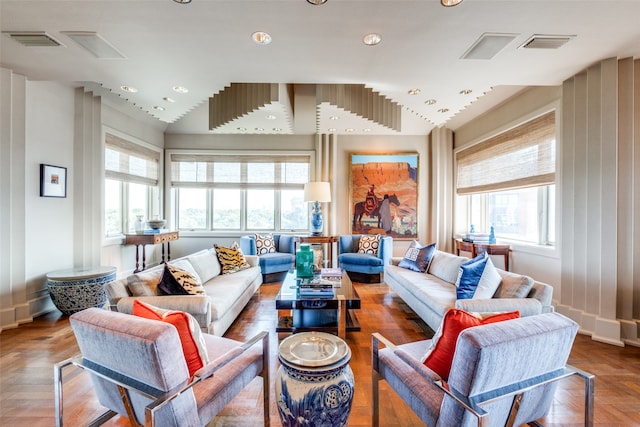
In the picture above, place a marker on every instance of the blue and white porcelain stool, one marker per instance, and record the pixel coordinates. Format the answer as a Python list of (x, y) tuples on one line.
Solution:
[(314, 384), (75, 289)]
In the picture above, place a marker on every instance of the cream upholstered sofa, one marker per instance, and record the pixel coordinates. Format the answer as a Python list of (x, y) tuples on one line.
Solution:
[(225, 294), (432, 293)]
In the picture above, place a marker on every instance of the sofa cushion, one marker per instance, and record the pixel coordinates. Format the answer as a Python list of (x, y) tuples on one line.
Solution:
[(369, 244), (359, 259), (206, 264), (231, 259), (439, 357), (264, 244), (446, 266), (225, 290), (478, 278), (145, 283), (513, 285), (418, 257), (176, 281), (194, 346)]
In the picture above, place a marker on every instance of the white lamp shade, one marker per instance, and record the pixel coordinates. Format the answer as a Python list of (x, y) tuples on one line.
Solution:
[(317, 192)]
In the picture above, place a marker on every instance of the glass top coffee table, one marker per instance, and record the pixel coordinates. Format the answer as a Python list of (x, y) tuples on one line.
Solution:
[(327, 308)]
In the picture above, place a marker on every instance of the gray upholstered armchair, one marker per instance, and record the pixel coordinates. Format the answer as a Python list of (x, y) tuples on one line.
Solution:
[(502, 374), (362, 267), (273, 264), (139, 370)]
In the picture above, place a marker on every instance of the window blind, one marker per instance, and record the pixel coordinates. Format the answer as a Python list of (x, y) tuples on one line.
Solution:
[(524, 156), (130, 162), (239, 171)]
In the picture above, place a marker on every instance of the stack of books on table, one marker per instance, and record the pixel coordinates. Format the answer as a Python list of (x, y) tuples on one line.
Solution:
[(316, 290), (476, 237)]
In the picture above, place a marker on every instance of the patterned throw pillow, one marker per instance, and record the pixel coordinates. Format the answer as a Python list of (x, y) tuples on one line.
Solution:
[(417, 257), (264, 244), (176, 281), (194, 347), (439, 357), (369, 244), (477, 279), (231, 259)]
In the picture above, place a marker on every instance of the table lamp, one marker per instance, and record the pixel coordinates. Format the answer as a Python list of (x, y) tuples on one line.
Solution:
[(317, 192)]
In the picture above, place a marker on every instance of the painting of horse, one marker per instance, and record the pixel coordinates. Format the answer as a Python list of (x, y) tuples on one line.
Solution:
[(359, 211)]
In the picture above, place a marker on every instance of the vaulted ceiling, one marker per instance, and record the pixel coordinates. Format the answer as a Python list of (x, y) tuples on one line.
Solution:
[(434, 66)]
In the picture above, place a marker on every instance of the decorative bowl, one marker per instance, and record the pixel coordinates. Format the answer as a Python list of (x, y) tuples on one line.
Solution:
[(156, 224)]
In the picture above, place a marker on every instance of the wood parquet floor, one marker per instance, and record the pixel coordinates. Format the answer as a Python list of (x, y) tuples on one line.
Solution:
[(28, 353)]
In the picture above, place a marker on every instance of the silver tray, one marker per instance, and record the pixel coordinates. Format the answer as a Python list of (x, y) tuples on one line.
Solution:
[(313, 349)]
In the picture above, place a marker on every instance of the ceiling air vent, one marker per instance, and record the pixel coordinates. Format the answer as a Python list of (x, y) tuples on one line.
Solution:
[(488, 45), (538, 41), (33, 38)]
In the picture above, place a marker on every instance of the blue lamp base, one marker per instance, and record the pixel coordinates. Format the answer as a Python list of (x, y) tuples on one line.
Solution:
[(316, 219)]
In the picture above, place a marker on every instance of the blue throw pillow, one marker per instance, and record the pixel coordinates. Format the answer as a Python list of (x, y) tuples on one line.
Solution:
[(478, 278), (417, 258)]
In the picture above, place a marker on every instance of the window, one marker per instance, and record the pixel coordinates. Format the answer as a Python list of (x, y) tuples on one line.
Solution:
[(234, 192), (509, 182), (131, 184)]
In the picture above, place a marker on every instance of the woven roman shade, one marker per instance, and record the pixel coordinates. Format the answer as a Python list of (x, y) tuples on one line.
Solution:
[(130, 162), (524, 156), (239, 171)]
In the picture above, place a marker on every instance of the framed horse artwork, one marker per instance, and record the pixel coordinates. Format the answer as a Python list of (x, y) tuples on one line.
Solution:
[(384, 194)]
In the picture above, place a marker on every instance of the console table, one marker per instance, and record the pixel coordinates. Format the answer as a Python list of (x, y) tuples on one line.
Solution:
[(478, 248), (150, 239)]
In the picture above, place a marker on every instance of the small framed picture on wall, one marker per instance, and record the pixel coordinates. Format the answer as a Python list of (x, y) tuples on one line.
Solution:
[(53, 181)]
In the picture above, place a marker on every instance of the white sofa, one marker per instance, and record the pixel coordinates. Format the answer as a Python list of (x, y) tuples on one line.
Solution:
[(226, 294), (432, 293)]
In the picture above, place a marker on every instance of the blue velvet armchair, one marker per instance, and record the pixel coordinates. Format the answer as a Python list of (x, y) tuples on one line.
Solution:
[(365, 268), (274, 265)]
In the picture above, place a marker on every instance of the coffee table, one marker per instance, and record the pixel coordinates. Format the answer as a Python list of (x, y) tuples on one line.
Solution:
[(334, 313)]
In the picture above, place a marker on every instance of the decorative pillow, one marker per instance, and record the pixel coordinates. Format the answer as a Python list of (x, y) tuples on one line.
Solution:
[(478, 278), (513, 286), (446, 266), (440, 356), (184, 264), (265, 244), (369, 244), (176, 281), (206, 264), (417, 257), (145, 283), (194, 347), (231, 259)]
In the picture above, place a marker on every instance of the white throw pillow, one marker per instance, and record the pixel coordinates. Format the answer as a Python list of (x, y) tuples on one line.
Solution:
[(206, 264)]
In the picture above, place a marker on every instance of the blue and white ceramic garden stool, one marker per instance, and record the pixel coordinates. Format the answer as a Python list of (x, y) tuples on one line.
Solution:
[(314, 384)]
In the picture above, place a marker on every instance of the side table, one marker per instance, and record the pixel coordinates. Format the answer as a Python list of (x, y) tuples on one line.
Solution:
[(76, 289), (150, 239), (328, 240), (478, 248)]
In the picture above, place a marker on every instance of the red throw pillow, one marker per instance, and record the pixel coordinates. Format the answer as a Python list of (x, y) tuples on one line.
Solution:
[(193, 346), (455, 321)]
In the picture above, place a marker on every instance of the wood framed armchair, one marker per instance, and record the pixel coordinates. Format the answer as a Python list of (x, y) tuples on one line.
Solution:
[(503, 374), (139, 371)]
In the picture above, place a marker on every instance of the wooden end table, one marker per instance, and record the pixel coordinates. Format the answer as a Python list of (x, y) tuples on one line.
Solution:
[(150, 239)]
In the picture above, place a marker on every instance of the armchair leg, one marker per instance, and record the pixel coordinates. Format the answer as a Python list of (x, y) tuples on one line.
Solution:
[(375, 387), (265, 379)]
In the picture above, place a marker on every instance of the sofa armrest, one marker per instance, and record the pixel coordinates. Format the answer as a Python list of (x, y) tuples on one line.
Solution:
[(248, 245), (526, 306), (252, 260), (385, 251), (199, 306), (395, 260)]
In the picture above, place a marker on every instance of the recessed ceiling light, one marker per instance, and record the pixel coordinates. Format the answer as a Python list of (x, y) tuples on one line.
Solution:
[(367, 130), (349, 130), (260, 129), (277, 129), (270, 117), (159, 108), (334, 118), (129, 89), (242, 129), (316, 2), (332, 129), (465, 91), (180, 89), (430, 101), (261, 37), (182, 1), (414, 91), (372, 39), (443, 110), (449, 3), (167, 99)]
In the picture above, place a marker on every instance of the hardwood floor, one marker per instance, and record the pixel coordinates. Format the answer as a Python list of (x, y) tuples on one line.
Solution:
[(27, 355)]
